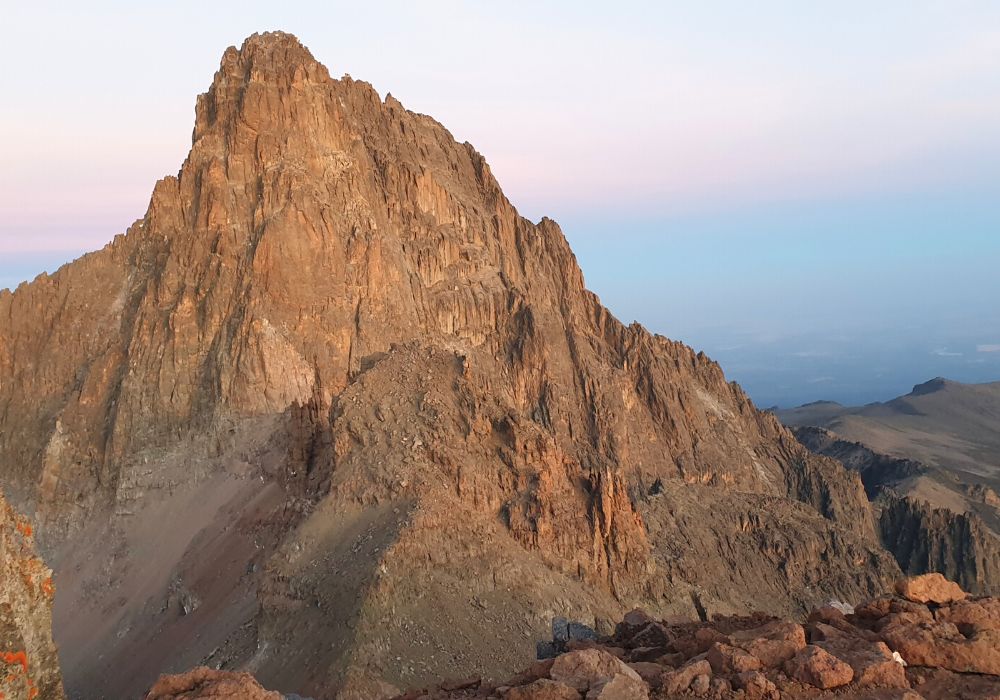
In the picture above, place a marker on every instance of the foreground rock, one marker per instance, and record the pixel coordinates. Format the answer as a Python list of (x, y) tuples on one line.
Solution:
[(891, 647), (29, 665), (930, 588), (206, 684)]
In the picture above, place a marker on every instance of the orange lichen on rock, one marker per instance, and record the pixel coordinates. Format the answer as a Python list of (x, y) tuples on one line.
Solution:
[(15, 658), (29, 664)]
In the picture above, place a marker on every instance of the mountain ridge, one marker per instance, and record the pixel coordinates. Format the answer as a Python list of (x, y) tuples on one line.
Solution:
[(333, 369)]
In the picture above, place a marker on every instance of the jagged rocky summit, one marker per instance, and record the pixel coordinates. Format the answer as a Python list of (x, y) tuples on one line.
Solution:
[(332, 411)]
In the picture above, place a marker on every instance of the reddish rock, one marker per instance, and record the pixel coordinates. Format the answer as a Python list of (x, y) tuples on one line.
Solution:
[(633, 621), (872, 662), (651, 673), (907, 617), (720, 687), (971, 615), (585, 668), (621, 687), (675, 660), (701, 685), (543, 689), (873, 609), (831, 617), (819, 668), (819, 632), (727, 660), (539, 669), (930, 588), (756, 686), (942, 645), (680, 680), (208, 684), (773, 644), (940, 684)]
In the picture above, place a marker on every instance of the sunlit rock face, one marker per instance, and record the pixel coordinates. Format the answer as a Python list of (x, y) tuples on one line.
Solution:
[(332, 388)]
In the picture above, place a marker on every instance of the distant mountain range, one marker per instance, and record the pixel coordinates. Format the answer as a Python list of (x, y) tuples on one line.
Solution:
[(931, 461)]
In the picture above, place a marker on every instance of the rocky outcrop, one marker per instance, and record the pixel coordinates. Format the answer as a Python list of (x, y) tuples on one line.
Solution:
[(878, 471), (204, 683), (923, 538), (926, 539), (889, 648), (353, 379), (29, 665)]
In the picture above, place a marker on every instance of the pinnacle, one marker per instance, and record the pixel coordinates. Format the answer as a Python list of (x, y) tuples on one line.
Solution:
[(275, 59), (277, 56), (275, 45)]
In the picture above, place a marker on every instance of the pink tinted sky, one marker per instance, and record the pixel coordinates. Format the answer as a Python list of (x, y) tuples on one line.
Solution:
[(650, 108), (808, 191)]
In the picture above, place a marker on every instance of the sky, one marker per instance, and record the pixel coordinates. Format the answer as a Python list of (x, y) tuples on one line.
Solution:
[(809, 192)]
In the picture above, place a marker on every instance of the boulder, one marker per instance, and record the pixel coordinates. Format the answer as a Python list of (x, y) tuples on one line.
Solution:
[(539, 669), (633, 621), (652, 634), (971, 615), (621, 687), (873, 663), (680, 680), (817, 667), (726, 659), (930, 588), (773, 644), (651, 673), (756, 686), (942, 645), (586, 668), (209, 684)]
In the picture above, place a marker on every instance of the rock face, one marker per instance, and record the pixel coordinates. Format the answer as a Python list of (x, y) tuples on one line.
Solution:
[(891, 648), (29, 665), (205, 684), (354, 380), (924, 539), (953, 538)]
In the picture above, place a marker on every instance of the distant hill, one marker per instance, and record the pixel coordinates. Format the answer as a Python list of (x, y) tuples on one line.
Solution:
[(930, 461), (941, 423)]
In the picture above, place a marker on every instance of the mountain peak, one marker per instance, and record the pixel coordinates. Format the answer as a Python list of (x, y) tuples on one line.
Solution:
[(333, 319), (271, 51), (271, 63), (930, 386)]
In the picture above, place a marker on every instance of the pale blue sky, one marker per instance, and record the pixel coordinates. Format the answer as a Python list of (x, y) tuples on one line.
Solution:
[(809, 195)]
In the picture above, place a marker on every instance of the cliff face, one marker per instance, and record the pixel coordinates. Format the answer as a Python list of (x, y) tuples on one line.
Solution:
[(926, 518), (958, 545), (29, 666), (332, 329)]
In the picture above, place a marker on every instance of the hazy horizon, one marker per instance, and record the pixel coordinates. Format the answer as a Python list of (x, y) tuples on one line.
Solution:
[(809, 196)]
